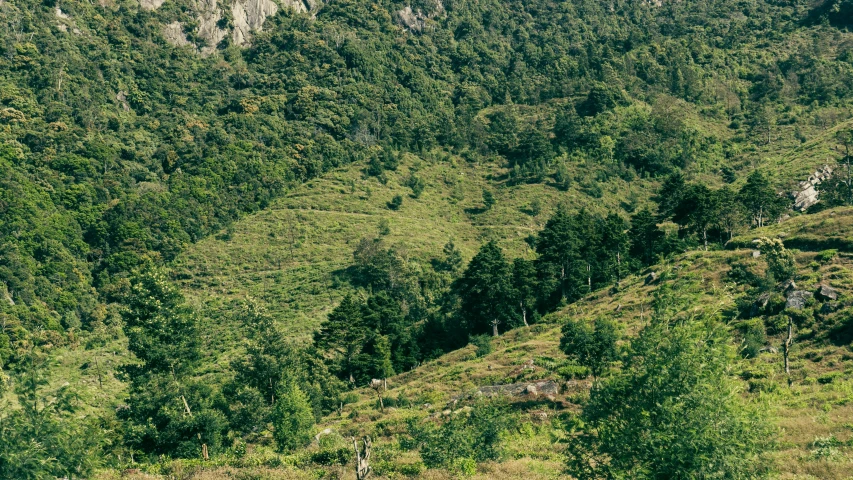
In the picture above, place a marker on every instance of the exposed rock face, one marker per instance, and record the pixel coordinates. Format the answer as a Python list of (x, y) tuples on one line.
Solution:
[(150, 4), (825, 293), (174, 34), (250, 15), (807, 194), (416, 21), (797, 299), (247, 16)]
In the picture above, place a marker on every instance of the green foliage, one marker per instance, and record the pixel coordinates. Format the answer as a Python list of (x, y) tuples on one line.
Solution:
[(43, 436), (483, 344), (780, 262), (464, 436), (488, 199), (579, 252), (827, 256), (292, 418), (673, 411), (593, 347), (396, 202), (485, 291)]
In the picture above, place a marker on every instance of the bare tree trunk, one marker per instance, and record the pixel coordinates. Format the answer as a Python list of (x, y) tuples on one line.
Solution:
[(495, 327), (362, 465), (787, 347), (524, 315)]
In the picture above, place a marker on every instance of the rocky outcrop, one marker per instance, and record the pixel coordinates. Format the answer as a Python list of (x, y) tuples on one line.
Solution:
[(174, 34), (416, 20), (545, 388), (250, 15), (247, 16), (807, 195), (797, 299), (826, 293), (151, 4)]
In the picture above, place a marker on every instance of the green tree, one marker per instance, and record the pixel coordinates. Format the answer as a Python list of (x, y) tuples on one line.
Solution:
[(292, 418), (452, 261), (673, 411), (730, 214), (396, 202), (161, 329), (760, 200), (488, 199), (697, 211), (780, 261), (593, 347), (343, 333), (485, 291), (646, 238)]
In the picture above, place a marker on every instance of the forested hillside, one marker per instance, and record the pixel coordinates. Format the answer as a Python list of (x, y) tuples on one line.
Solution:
[(219, 220)]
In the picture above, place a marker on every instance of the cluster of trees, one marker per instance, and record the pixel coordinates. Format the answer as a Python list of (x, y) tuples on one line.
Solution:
[(673, 410), (717, 214), (413, 312)]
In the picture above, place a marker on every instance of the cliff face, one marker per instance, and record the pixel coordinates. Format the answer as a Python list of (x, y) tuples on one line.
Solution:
[(807, 194), (246, 16)]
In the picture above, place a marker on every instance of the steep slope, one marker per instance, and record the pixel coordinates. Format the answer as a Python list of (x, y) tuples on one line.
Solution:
[(811, 412), (292, 256)]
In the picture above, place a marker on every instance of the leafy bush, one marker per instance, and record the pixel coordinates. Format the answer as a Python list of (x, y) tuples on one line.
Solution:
[(396, 202), (827, 256), (473, 435), (672, 412), (483, 344)]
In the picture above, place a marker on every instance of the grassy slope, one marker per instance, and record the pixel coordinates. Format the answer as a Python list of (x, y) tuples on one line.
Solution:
[(808, 410), (819, 403), (286, 256)]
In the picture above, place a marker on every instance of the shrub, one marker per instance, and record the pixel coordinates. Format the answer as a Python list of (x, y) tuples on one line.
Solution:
[(827, 256), (672, 412), (396, 202), (483, 344), (475, 436)]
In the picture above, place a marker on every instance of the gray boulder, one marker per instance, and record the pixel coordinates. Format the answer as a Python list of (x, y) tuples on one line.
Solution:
[(826, 293), (797, 299), (651, 278)]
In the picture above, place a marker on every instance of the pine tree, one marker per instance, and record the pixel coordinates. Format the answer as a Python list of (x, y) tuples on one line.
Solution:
[(292, 418), (343, 333), (484, 290), (646, 238)]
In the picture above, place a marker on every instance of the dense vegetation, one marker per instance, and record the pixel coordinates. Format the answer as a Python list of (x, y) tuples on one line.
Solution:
[(118, 151)]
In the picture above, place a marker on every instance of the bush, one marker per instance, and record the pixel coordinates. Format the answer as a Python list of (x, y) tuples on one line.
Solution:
[(474, 436), (396, 202), (483, 344), (331, 456), (573, 372), (827, 256), (672, 412)]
